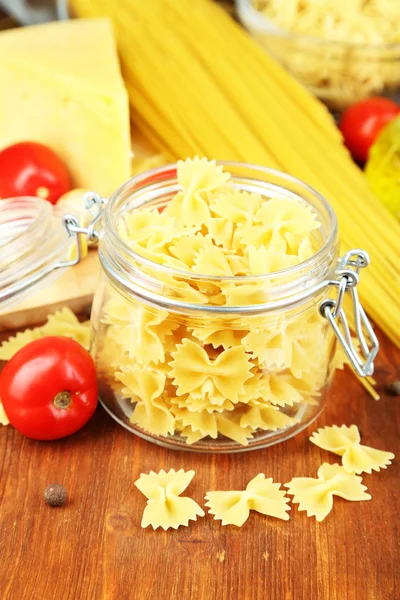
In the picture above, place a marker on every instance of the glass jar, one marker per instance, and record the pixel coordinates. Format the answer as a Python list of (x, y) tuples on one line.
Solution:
[(338, 72), (242, 367)]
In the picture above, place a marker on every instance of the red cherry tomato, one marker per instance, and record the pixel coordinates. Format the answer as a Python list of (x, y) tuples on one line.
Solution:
[(160, 176), (361, 123), (49, 388), (32, 169)]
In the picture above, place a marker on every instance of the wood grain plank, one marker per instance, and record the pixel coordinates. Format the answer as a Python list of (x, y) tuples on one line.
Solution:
[(94, 548)]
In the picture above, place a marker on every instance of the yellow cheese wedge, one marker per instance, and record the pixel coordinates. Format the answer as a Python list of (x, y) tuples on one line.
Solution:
[(60, 84)]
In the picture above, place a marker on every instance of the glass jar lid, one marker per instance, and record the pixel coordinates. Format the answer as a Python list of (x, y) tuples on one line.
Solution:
[(33, 247)]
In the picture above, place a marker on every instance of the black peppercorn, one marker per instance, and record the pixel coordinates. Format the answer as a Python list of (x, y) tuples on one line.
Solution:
[(55, 494), (394, 388)]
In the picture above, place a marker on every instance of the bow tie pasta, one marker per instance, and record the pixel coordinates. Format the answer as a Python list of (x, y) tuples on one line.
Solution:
[(220, 375), (345, 441), (261, 494), (166, 507), (316, 495)]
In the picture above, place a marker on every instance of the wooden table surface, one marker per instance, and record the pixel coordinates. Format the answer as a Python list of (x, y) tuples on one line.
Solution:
[(94, 548)]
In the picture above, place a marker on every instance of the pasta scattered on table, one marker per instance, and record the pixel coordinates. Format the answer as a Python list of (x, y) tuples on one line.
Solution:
[(62, 322), (165, 506), (261, 495), (345, 441), (316, 495)]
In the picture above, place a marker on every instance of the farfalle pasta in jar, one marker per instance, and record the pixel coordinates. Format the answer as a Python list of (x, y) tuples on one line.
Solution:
[(214, 324)]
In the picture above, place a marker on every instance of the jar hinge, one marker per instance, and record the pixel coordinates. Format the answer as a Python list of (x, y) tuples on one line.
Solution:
[(95, 204), (349, 267)]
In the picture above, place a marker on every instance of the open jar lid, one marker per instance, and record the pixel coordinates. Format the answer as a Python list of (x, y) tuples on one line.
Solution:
[(38, 242), (34, 245)]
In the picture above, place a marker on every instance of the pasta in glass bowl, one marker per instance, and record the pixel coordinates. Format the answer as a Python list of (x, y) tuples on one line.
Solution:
[(341, 51), (207, 326)]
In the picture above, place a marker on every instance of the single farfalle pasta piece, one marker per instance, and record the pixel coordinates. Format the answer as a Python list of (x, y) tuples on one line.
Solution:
[(261, 495), (141, 332), (316, 495), (345, 441), (165, 506), (197, 177), (192, 366), (145, 386), (154, 417)]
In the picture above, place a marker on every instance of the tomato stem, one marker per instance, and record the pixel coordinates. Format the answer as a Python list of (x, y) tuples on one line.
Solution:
[(62, 399), (43, 192)]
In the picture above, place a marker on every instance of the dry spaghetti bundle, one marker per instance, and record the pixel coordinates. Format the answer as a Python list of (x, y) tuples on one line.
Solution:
[(198, 84)]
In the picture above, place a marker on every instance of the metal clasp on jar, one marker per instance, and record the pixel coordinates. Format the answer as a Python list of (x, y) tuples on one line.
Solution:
[(348, 279), (95, 204)]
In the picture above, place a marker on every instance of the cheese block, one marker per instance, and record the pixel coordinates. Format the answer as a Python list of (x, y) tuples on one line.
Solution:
[(60, 84)]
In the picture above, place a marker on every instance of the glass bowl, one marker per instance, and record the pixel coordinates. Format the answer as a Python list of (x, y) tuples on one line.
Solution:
[(338, 73)]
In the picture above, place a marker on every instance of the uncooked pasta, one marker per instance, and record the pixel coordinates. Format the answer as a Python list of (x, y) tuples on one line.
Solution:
[(62, 322), (262, 495), (345, 441), (315, 495), (204, 378), (354, 58), (166, 507)]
